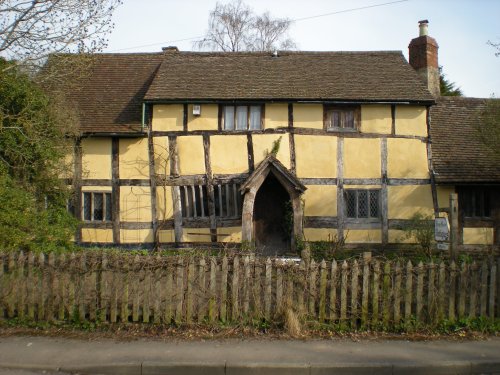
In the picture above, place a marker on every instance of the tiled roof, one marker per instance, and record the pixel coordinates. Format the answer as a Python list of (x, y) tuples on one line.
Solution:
[(110, 97), (364, 76), (458, 153)]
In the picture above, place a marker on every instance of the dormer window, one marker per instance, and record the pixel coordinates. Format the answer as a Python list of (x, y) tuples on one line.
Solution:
[(341, 118), (242, 117)]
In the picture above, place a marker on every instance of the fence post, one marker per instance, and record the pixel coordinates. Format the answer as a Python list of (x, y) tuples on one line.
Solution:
[(21, 285), (146, 300), (454, 232), (493, 277), (180, 289), (322, 291), (484, 289), (375, 293), (452, 291), (268, 290), (366, 289), (223, 296), (212, 306), (333, 292), (312, 288), (397, 294), (386, 294), (473, 290), (202, 291), (408, 291), (63, 283), (354, 293), (431, 290), (246, 284), (234, 289), (124, 311), (31, 286), (343, 294)]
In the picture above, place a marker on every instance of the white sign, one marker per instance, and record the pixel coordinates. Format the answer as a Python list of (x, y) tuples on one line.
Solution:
[(441, 229), (443, 246)]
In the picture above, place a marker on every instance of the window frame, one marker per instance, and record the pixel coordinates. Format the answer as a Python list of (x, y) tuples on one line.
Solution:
[(357, 217), (468, 200), (106, 197), (328, 109), (222, 109)]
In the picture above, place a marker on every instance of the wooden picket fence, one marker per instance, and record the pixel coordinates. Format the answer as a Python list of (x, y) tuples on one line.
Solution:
[(362, 293)]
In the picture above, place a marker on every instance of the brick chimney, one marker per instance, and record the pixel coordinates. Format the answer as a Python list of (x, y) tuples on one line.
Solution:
[(423, 53)]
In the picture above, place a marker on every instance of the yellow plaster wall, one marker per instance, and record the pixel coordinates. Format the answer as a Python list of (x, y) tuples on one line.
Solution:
[(376, 119), (478, 236), (362, 158), (96, 158), (399, 236), (263, 144), (229, 154), (134, 158), (196, 235), (167, 236), (229, 234), (164, 203), (411, 120), (136, 235), (97, 189), (316, 156), (319, 234), (308, 116), (208, 120), (168, 117), (135, 203), (93, 235), (276, 116), (191, 155), (407, 158), (405, 201), (363, 236), (161, 155), (443, 195), (320, 200)]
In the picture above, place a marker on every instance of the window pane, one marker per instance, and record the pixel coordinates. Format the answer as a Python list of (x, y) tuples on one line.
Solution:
[(205, 200), (98, 206), (478, 204), (87, 214), (229, 117), (255, 117), (486, 202), (374, 203), (351, 203), (108, 207), (335, 119), (348, 119), (362, 203), (241, 117)]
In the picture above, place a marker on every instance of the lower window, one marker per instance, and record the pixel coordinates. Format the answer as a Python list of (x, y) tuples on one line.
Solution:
[(362, 203), (227, 199), (97, 206), (475, 202)]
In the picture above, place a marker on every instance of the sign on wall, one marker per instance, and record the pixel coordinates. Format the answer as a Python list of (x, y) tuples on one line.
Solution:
[(441, 229)]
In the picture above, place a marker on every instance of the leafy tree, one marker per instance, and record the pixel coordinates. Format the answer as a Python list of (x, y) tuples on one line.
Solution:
[(234, 27), (35, 137), (488, 127), (31, 30), (448, 88)]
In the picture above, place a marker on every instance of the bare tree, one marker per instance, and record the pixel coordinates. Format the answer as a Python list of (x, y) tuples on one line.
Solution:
[(31, 30), (234, 27), (496, 46)]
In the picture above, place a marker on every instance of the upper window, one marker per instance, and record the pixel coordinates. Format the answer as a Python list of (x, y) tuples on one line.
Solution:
[(476, 202), (341, 118), (361, 203), (97, 206), (242, 117)]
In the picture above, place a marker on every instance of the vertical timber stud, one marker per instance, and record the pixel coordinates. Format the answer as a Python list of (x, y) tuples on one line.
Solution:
[(210, 187), (454, 232), (77, 185), (185, 118), (176, 190), (340, 188), (383, 194), (251, 159), (152, 179), (115, 188), (291, 138), (393, 117), (430, 164)]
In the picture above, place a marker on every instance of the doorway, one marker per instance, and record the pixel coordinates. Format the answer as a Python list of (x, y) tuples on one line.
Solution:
[(272, 218)]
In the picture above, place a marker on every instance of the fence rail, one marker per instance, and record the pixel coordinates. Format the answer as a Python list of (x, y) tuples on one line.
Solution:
[(363, 293)]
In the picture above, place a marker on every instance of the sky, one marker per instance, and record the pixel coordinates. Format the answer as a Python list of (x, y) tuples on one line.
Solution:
[(461, 28)]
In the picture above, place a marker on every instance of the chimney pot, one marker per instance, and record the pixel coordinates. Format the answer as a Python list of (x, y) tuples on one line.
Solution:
[(423, 27)]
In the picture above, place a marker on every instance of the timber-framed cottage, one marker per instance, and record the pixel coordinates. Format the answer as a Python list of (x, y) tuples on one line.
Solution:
[(267, 148)]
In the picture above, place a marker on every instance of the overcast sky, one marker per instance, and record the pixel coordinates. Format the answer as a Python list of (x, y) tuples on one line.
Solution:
[(461, 28)]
